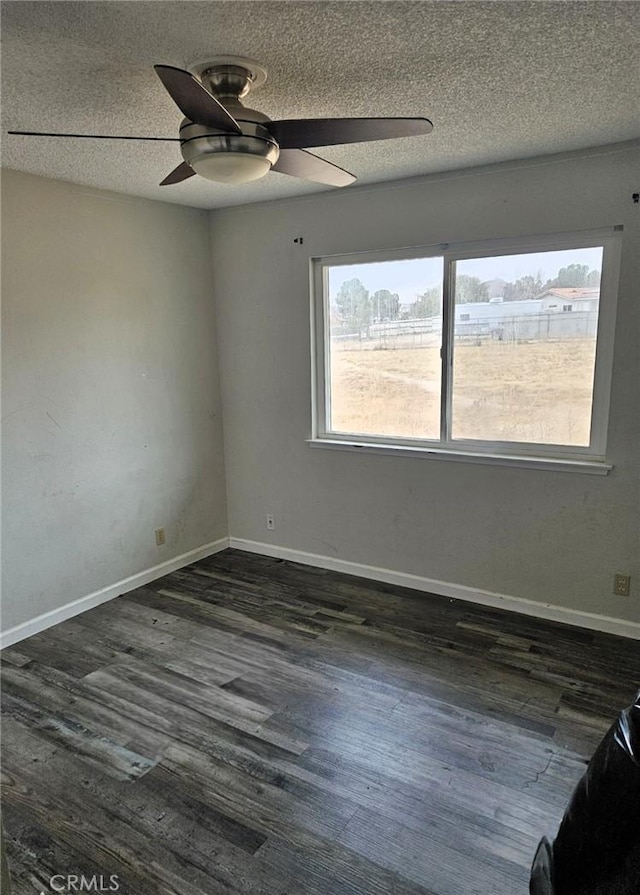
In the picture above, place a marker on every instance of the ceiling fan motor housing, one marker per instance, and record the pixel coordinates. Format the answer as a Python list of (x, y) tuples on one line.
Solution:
[(223, 156)]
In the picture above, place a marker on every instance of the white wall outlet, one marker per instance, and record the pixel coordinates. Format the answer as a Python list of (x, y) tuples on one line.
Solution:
[(160, 537), (271, 522)]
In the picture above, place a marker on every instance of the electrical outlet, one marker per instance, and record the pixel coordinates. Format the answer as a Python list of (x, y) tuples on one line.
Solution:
[(160, 538), (621, 585), (271, 522)]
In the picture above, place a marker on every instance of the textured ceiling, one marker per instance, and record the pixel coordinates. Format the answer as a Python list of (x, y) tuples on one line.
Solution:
[(499, 80)]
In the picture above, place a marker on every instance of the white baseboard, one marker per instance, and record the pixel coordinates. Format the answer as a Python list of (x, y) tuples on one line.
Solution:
[(55, 616), (547, 611)]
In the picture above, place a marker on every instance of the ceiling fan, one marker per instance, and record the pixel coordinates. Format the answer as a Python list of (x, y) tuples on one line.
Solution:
[(224, 141)]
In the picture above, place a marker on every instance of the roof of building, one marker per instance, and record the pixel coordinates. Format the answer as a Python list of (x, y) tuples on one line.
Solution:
[(572, 292)]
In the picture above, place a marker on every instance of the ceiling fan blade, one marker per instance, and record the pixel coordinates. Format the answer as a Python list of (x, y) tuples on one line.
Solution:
[(94, 136), (194, 100), (182, 172), (298, 133), (299, 163)]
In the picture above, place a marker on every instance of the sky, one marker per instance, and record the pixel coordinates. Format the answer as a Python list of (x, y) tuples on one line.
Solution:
[(411, 278)]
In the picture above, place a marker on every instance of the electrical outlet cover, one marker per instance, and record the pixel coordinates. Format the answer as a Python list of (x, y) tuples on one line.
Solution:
[(621, 585)]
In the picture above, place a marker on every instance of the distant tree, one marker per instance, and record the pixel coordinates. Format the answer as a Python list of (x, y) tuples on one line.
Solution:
[(353, 303), (593, 278), (470, 289), (427, 304), (496, 287), (525, 288), (385, 305), (575, 276)]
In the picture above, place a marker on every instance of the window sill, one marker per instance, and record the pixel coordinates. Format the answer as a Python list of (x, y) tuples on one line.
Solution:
[(589, 467)]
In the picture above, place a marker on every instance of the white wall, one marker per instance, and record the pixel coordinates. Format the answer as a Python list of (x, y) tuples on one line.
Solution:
[(111, 417), (553, 537)]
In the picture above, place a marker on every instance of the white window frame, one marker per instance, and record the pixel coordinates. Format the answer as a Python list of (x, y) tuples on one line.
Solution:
[(591, 458)]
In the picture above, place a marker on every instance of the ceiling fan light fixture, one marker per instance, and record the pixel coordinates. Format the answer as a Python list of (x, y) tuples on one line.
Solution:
[(228, 158), (231, 167)]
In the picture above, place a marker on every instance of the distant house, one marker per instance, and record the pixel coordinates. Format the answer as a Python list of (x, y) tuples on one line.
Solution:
[(570, 299), (533, 318), (561, 313)]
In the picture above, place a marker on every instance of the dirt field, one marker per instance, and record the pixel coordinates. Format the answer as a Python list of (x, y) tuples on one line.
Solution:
[(527, 391)]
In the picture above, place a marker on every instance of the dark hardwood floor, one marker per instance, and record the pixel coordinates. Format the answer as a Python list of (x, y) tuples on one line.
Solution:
[(248, 725)]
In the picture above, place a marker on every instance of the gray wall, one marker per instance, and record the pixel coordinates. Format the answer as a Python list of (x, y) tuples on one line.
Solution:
[(111, 417), (554, 537)]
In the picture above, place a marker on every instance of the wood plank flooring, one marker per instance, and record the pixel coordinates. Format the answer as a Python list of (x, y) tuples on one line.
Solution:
[(247, 726)]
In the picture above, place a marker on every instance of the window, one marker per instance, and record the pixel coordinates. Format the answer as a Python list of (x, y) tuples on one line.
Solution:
[(464, 350)]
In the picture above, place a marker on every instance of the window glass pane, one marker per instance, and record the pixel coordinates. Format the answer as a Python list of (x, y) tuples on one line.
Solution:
[(385, 329), (524, 346)]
